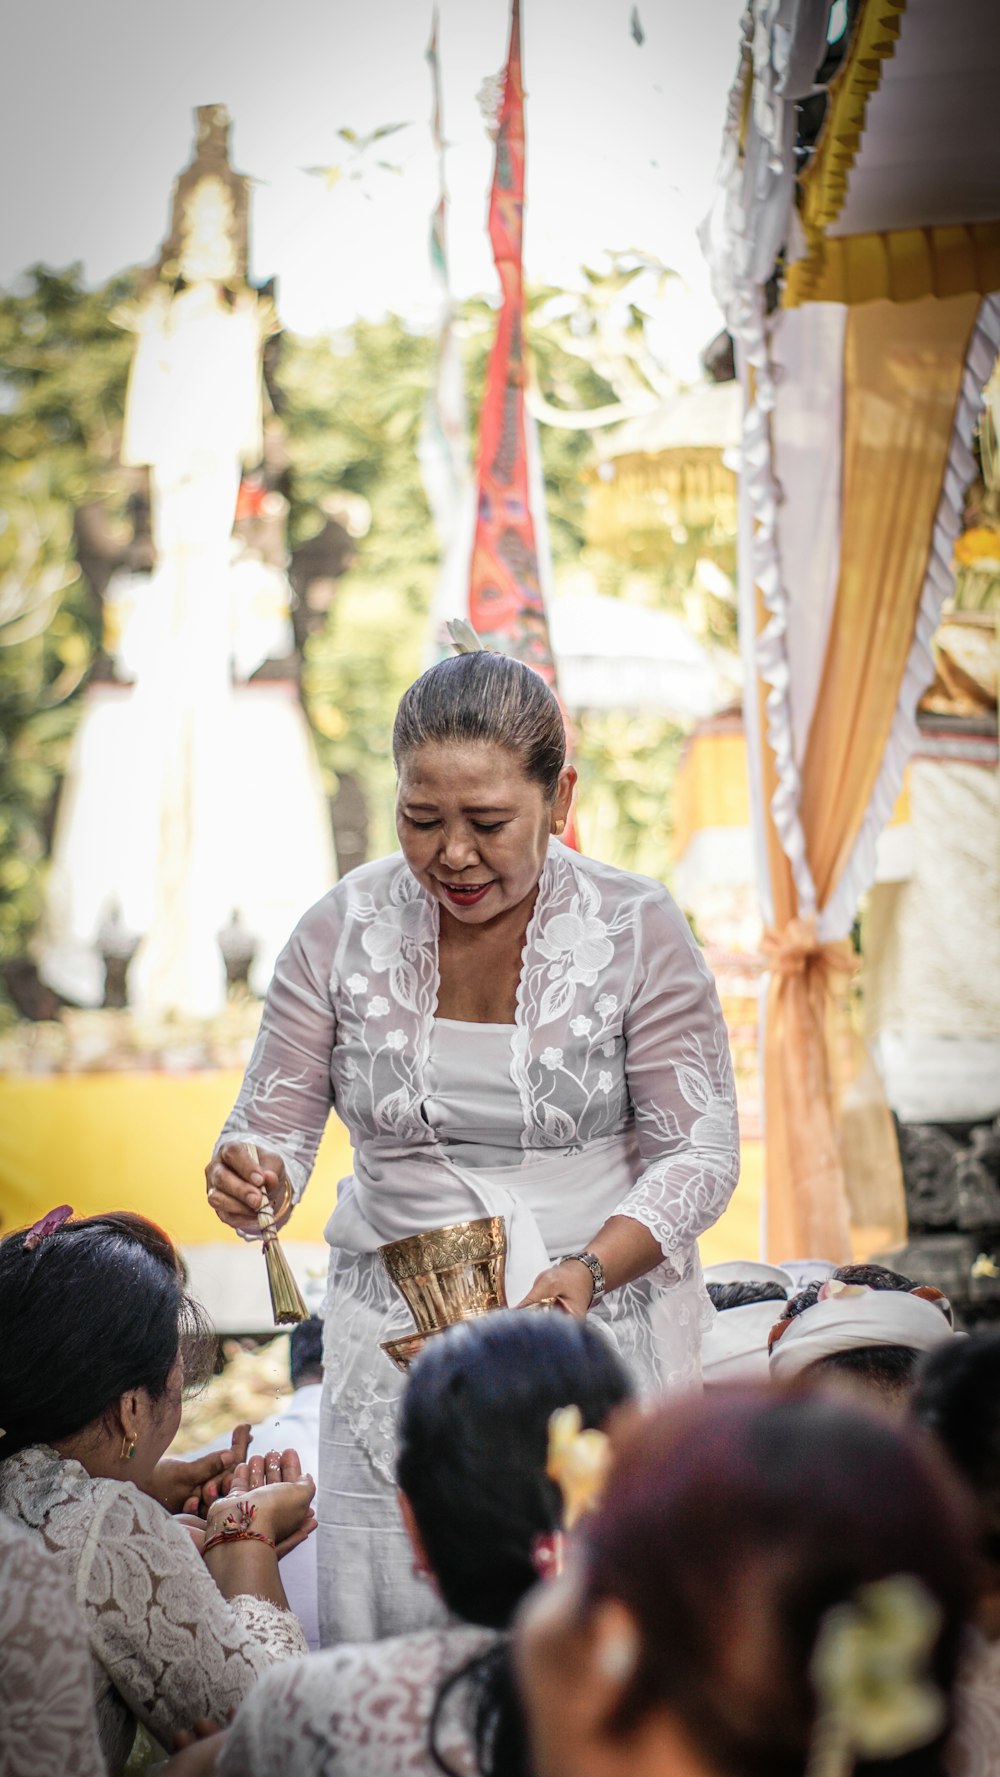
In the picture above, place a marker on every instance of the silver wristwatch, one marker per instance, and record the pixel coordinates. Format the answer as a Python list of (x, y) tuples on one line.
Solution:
[(595, 1268)]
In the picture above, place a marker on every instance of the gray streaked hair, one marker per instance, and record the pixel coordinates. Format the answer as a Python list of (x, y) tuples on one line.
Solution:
[(487, 697)]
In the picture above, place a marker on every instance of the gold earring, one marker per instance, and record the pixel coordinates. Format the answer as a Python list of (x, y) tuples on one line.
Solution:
[(559, 827), (128, 1448)]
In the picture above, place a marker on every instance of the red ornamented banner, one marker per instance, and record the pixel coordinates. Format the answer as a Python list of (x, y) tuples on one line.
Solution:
[(506, 606)]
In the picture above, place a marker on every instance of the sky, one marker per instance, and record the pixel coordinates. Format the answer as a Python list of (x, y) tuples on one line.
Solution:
[(623, 140)]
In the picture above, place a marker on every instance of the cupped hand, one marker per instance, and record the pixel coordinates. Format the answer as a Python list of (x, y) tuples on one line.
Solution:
[(281, 1497), (235, 1180), (194, 1526), (197, 1752), (185, 1484), (568, 1286)]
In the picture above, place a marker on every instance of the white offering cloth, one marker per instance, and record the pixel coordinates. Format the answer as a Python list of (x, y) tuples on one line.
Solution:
[(734, 1348), (48, 1727), (165, 1646), (361, 1711), (850, 1322), (619, 1062)]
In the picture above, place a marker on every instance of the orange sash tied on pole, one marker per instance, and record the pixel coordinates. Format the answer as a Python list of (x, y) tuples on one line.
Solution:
[(807, 979)]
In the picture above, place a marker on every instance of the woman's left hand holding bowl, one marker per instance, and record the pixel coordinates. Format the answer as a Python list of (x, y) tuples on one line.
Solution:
[(567, 1286)]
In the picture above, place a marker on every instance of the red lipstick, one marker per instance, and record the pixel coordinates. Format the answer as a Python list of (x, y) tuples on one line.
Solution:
[(468, 895)]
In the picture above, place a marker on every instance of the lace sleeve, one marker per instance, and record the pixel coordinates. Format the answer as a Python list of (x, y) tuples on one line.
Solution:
[(286, 1095), (680, 1080), (365, 1711), (171, 1645), (46, 1692)]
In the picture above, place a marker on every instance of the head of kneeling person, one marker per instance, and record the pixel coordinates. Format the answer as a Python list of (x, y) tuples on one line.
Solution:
[(98, 1339), (864, 1329), (747, 1542), (483, 1515), (734, 1347)]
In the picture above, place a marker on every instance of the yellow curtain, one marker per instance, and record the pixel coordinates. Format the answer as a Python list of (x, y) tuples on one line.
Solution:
[(902, 374)]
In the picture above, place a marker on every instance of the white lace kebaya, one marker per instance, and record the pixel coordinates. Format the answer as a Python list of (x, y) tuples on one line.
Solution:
[(165, 1646), (47, 1723), (613, 1095), (618, 1099), (358, 1712)]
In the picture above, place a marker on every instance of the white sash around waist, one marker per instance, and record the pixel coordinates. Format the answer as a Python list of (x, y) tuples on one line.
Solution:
[(551, 1204)]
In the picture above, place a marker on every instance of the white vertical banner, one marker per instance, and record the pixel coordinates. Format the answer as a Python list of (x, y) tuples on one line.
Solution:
[(443, 448)]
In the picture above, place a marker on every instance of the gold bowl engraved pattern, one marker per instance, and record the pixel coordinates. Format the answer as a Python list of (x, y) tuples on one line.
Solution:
[(446, 1275), (403, 1350)]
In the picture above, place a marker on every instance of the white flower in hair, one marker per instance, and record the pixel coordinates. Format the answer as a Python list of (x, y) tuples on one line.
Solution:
[(463, 637), (871, 1673)]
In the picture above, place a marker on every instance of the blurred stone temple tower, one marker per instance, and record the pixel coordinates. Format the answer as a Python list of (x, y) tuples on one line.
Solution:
[(193, 791)]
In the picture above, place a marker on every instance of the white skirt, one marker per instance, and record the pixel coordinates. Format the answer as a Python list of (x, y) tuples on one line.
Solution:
[(367, 1585)]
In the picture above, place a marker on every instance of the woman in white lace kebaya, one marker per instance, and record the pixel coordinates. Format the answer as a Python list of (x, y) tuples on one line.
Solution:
[(505, 1027), (91, 1314)]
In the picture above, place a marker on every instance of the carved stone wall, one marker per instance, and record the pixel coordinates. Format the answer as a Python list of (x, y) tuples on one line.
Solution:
[(952, 1178)]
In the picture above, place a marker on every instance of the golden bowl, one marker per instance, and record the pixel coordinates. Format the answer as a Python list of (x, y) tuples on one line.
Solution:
[(402, 1350), (450, 1274)]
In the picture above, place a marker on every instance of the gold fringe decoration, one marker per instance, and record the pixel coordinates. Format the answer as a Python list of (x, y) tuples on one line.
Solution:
[(824, 181)]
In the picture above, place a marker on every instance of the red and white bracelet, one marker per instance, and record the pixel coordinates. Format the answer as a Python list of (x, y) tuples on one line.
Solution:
[(237, 1527)]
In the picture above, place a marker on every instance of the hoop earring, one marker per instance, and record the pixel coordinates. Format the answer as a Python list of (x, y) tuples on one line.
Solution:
[(128, 1448)]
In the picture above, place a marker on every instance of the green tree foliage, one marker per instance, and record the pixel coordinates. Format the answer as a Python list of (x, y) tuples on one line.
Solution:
[(61, 397), (352, 410)]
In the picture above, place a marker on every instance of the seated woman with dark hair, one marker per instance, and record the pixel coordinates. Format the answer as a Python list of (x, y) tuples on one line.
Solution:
[(774, 1585), (93, 1322), (957, 1398), (483, 1517)]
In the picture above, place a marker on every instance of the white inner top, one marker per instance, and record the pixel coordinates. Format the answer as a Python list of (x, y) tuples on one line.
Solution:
[(471, 1101)]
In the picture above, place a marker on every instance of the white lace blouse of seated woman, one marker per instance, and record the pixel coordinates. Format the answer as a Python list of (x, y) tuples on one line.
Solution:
[(93, 1322)]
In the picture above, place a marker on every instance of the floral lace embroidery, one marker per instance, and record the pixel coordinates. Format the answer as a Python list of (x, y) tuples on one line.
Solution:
[(165, 1645), (46, 1699), (618, 1029), (364, 1711)]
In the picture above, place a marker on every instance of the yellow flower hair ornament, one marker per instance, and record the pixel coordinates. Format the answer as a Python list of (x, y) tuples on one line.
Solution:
[(871, 1673), (578, 1462)]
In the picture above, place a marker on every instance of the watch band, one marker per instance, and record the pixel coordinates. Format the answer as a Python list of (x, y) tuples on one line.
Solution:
[(595, 1268)]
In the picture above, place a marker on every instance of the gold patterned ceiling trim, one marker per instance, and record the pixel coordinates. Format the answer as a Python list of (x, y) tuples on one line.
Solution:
[(824, 182), (902, 265)]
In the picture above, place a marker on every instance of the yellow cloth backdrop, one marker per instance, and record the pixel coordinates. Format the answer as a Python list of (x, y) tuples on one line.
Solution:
[(134, 1141), (902, 373), (139, 1141)]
